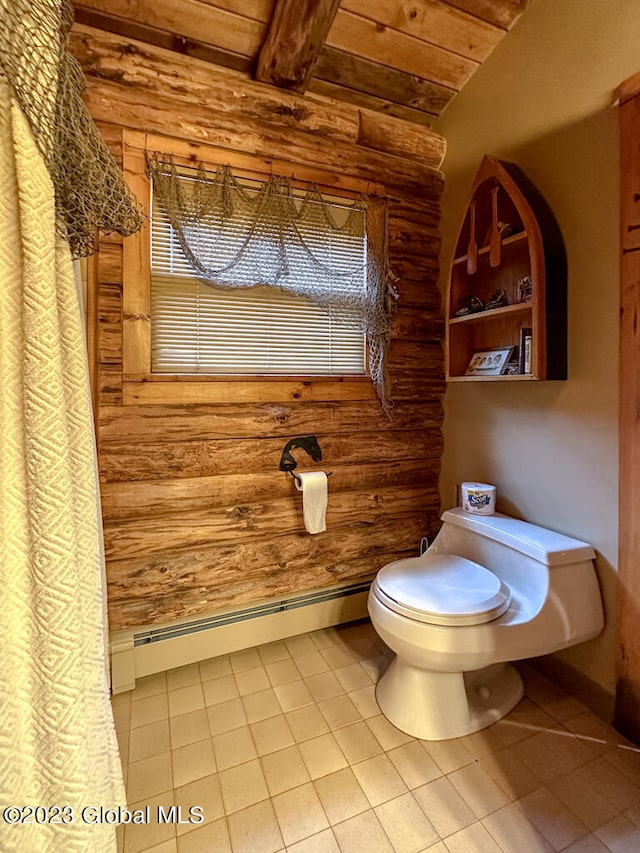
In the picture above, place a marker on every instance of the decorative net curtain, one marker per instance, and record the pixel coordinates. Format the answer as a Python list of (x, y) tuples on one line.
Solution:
[(236, 237), (90, 192)]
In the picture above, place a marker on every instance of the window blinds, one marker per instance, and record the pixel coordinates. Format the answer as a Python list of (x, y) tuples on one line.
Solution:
[(197, 328)]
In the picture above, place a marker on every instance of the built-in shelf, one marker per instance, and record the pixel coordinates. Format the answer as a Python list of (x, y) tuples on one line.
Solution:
[(486, 264)]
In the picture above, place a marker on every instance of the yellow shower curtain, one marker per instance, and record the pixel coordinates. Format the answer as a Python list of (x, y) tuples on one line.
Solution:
[(58, 749)]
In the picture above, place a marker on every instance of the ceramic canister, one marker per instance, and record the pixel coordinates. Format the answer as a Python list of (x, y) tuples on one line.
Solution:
[(478, 498)]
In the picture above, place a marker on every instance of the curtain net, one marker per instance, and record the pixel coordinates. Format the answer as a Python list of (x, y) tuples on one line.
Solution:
[(90, 192), (271, 234)]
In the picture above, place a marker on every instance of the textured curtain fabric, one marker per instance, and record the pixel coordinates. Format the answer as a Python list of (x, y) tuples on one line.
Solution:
[(57, 738)]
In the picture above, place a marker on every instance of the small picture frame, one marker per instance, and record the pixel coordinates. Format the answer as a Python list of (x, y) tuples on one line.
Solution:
[(525, 289), (491, 362), (525, 351)]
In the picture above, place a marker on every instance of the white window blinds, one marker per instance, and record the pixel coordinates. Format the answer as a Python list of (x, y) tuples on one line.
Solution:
[(196, 328)]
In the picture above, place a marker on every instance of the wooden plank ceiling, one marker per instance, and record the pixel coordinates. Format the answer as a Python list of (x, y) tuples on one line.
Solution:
[(405, 58)]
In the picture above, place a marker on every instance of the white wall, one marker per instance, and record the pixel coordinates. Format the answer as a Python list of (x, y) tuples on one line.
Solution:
[(543, 100)]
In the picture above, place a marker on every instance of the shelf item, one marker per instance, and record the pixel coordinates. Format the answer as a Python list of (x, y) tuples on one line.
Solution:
[(508, 243)]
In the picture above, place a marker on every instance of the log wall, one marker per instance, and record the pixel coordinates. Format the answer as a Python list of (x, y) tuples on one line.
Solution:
[(197, 516)]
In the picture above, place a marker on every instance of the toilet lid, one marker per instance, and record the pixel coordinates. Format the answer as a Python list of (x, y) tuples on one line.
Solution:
[(442, 589)]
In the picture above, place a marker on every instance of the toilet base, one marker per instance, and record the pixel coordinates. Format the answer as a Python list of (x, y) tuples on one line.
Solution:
[(442, 705)]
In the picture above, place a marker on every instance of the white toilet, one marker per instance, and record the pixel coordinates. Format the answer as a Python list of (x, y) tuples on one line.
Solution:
[(490, 589)]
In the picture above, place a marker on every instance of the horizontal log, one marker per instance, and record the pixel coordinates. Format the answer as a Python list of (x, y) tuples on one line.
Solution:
[(372, 102), (427, 356), (421, 293), (202, 422), (394, 136), (245, 571), (406, 237), (162, 460), (122, 501), (151, 72), (250, 519), (186, 390), (416, 385), (417, 324)]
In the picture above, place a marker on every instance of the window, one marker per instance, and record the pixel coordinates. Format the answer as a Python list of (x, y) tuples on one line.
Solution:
[(196, 328)]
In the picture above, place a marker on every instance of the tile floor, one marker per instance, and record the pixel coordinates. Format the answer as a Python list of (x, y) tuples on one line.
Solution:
[(284, 748)]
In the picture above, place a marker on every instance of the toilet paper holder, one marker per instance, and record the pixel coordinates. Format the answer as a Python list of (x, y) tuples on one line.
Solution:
[(308, 443)]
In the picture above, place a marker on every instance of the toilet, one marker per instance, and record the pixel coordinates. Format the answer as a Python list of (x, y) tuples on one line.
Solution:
[(489, 590)]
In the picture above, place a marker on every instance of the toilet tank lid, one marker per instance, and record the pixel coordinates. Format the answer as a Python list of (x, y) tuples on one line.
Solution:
[(545, 546)]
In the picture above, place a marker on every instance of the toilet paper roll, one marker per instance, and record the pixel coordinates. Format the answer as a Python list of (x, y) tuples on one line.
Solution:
[(478, 498), (313, 485)]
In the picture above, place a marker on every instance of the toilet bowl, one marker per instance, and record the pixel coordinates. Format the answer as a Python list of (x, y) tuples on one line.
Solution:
[(489, 590)]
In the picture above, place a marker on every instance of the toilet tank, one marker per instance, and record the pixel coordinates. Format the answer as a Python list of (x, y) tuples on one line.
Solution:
[(545, 569)]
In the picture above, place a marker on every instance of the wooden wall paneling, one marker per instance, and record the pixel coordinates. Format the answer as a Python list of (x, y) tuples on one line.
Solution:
[(197, 515), (502, 13), (627, 708)]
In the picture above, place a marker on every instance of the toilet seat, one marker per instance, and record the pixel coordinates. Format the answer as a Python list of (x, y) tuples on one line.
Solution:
[(442, 589)]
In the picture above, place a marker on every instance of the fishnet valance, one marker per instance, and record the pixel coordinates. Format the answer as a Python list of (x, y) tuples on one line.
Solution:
[(239, 236), (90, 192)]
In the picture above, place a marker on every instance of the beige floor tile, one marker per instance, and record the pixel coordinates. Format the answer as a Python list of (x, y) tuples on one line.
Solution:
[(215, 668), (139, 837), (363, 829), (352, 677), (166, 847), (472, 839), (357, 742), (243, 786), (272, 652), (406, 825), (620, 835), (379, 779), (626, 760), (123, 745), (552, 818), (192, 761), (300, 645), (376, 667), (633, 814), (559, 705), (261, 705), (510, 774), (226, 716), (583, 800), (245, 659), (311, 664), (337, 655), (121, 708), (189, 728), (185, 699), (149, 776), (284, 770), (595, 732), (339, 711), (387, 735), (616, 788), (255, 830), (322, 755), (539, 759), (150, 685), (149, 710), (306, 723), (234, 747), (414, 764), (271, 734), (365, 701), (514, 832), (293, 695), (341, 795), (444, 807), (210, 838), (324, 686), (220, 690), (478, 789), (449, 755), (203, 792), (282, 672), (299, 813), (571, 750), (183, 676), (146, 741), (323, 842), (252, 680), (588, 844)]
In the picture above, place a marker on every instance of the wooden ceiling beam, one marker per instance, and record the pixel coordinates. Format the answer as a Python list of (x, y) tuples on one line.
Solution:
[(295, 38)]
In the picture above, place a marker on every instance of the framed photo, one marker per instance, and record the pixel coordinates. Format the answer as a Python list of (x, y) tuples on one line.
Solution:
[(491, 362), (525, 350)]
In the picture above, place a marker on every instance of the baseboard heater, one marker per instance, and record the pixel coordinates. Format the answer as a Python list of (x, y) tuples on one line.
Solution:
[(137, 653)]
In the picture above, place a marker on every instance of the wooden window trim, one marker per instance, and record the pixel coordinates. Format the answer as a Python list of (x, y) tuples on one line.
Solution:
[(140, 385)]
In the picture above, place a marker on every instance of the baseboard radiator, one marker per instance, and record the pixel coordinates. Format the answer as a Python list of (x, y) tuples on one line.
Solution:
[(136, 653)]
